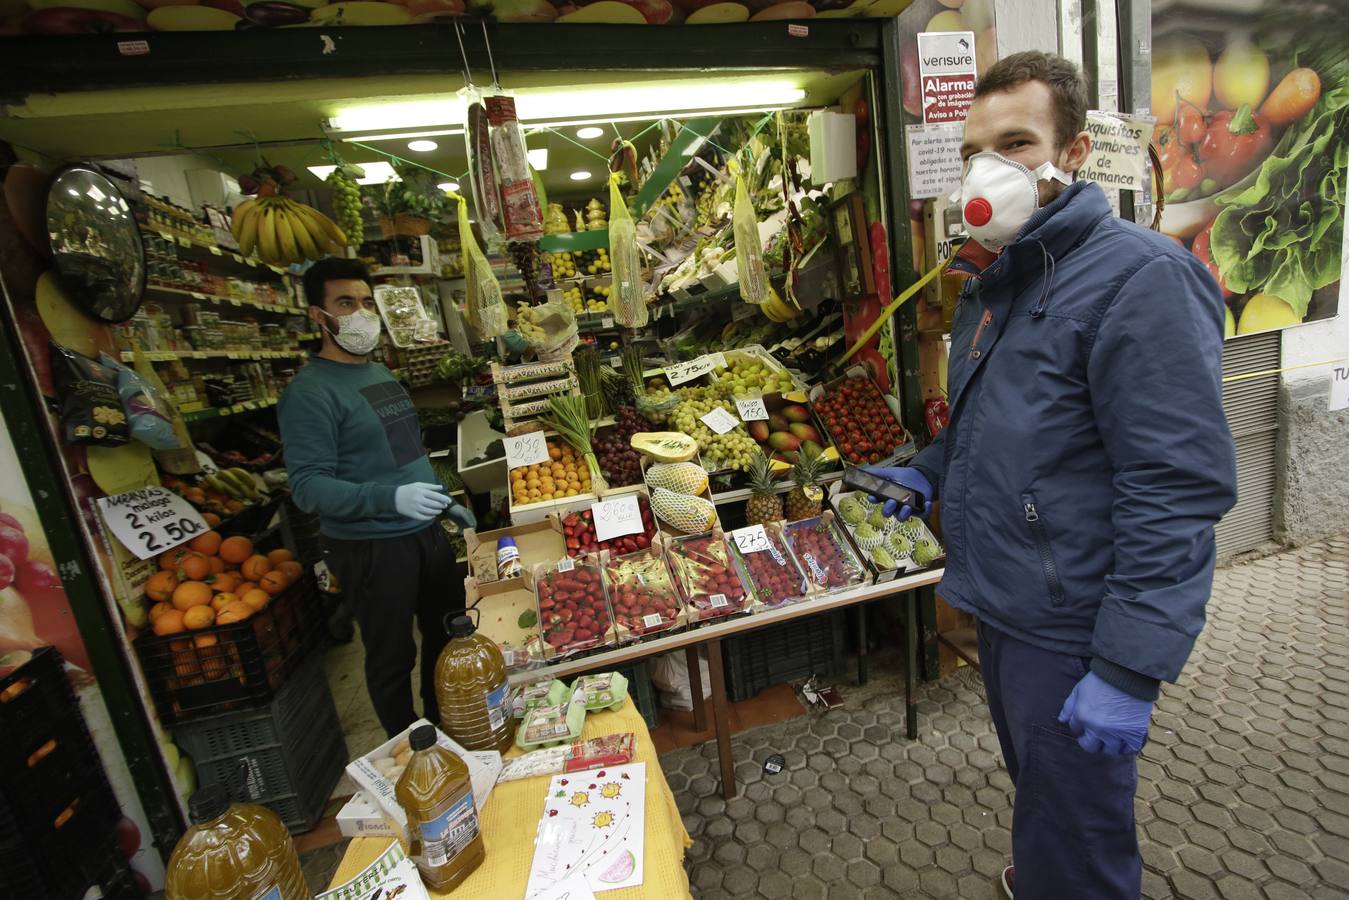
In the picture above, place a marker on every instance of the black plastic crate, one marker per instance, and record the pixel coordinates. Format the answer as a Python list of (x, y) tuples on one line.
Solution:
[(287, 755), (781, 653), (232, 666), (53, 858)]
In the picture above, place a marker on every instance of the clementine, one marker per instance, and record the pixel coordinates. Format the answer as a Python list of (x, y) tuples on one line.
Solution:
[(169, 622), (211, 519), (235, 550), (207, 544), (198, 617), (158, 610), (172, 559), (222, 600), (194, 567), (190, 594), (274, 582), (255, 567), (244, 587), (161, 585), (235, 612), (257, 600), (217, 564), (291, 569), (225, 582), (277, 557)]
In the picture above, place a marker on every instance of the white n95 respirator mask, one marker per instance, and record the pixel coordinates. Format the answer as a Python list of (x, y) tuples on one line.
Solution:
[(998, 196), (357, 332)]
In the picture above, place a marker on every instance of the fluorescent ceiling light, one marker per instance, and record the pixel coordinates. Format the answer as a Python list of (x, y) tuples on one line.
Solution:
[(585, 104), (422, 146), (448, 185), (589, 133), (375, 172), (580, 175), (400, 135), (538, 159)]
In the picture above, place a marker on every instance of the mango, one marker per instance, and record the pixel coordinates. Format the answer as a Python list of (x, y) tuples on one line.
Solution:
[(784, 441), (805, 432), (758, 430), (776, 422), (796, 413), (811, 449)]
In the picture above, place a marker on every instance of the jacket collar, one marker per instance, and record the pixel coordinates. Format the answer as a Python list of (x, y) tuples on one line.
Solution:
[(1058, 228)]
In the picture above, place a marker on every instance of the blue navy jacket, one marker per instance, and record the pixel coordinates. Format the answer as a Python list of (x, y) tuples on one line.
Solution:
[(1087, 457)]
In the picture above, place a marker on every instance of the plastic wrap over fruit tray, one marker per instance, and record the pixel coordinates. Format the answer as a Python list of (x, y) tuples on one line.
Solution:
[(643, 594), (710, 579), (574, 611), (888, 546), (824, 554), (770, 569)]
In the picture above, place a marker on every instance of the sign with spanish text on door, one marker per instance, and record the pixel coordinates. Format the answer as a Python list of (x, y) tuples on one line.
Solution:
[(946, 74)]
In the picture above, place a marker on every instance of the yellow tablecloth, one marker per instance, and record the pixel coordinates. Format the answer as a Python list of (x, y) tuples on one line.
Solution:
[(511, 816)]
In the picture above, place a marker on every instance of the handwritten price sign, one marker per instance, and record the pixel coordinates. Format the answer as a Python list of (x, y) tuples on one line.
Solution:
[(682, 372), (720, 421), (615, 518), (151, 520), (525, 450), (751, 408), (752, 539)]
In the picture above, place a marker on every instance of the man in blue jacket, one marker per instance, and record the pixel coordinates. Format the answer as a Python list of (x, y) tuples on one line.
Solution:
[(1086, 462)]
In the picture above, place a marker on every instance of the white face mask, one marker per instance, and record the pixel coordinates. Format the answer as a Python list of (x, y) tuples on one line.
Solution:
[(997, 196), (357, 333)]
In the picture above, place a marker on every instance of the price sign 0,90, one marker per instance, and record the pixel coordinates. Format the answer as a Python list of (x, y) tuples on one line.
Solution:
[(751, 540), (751, 408), (615, 518), (720, 421), (151, 520), (525, 450)]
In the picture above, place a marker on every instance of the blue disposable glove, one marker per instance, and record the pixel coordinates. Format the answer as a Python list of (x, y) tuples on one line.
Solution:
[(420, 501), (910, 478), (1105, 718), (462, 515)]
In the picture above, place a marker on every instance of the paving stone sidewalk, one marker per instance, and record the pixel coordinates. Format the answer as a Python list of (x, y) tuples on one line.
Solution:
[(1244, 783)]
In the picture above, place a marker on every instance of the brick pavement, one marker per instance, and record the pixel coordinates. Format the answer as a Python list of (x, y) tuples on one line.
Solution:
[(1243, 786)]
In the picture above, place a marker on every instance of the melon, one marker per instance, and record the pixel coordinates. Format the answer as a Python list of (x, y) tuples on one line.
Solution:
[(665, 446), (619, 869)]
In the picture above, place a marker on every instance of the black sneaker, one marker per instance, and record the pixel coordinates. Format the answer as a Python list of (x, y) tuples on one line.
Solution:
[(1008, 880)]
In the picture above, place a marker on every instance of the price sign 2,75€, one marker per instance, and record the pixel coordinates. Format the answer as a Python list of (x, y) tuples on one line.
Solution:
[(151, 520)]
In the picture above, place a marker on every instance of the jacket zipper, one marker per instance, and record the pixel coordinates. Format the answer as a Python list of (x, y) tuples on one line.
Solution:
[(1041, 535), (978, 333)]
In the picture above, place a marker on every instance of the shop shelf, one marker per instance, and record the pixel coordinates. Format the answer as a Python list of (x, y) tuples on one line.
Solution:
[(231, 666), (286, 756), (217, 412), (187, 241), (170, 355), (788, 652), (204, 297)]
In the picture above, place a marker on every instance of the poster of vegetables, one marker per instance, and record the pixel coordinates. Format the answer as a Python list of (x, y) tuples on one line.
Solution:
[(1253, 133)]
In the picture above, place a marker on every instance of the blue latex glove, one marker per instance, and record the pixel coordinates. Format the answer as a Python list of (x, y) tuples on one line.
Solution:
[(462, 515), (910, 478), (420, 501), (1105, 719)]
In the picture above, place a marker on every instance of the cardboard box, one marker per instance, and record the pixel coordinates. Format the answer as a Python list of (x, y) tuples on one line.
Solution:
[(500, 605), (474, 436), (835, 494), (360, 817), (483, 768), (539, 542)]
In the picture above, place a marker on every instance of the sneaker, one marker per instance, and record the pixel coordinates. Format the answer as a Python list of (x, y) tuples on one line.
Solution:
[(1008, 880)]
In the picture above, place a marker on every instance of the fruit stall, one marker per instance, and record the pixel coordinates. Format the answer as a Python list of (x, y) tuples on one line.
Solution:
[(651, 369)]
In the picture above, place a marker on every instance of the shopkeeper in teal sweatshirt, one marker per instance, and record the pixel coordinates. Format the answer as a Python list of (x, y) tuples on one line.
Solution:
[(354, 452)]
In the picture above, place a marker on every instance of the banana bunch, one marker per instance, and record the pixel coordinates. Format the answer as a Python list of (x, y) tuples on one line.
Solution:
[(777, 309), (280, 231), (234, 483), (347, 205)]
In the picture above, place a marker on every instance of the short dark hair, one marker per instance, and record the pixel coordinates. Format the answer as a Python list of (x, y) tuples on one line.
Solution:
[(1064, 81), (332, 268)]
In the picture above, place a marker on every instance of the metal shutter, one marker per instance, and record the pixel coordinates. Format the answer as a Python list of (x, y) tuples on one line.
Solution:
[(1252, 407)]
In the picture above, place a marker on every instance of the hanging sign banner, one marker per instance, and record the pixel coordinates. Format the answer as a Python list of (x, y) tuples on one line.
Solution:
[(946, 74)]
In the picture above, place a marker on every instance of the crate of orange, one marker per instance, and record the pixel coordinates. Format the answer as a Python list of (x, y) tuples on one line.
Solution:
[(228, 625)]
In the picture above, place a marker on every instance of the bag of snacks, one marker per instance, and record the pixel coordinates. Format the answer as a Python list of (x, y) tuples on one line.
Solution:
[(148, 413), (91, 408)]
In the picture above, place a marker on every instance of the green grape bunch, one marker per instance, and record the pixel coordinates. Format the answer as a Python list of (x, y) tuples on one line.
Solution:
[(733, 450), (347, 206)]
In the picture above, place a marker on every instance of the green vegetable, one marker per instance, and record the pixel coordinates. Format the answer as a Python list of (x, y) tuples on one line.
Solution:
[(1282, 233)]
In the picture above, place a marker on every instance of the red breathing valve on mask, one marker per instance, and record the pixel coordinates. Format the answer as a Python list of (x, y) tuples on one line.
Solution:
[(978, 212)]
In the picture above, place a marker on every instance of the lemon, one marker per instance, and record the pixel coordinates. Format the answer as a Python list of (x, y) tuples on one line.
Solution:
[(1265, 312)]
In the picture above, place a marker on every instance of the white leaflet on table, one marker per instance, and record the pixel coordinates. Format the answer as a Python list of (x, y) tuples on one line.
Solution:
[(594, 823), (573, 887)]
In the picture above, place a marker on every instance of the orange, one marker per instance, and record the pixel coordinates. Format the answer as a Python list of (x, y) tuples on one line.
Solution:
[(190, 594), (236, 549), (217, 564), (257, 600), (207, 544), (244, 587), (291, 569), (274, 582), (194, 567), (235, 612), (222, 600), (172, 559), (202, 641), (211, 519), (161, 585), (255, 567), (169, 622), (225, 582), (158, 610), (277, 557), (199, 617)]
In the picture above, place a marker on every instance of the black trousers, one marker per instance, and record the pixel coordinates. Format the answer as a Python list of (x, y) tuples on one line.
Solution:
[(386, 582)]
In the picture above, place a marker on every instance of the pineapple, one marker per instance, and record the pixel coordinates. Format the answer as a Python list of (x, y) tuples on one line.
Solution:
[(804, 500), (765, 505)]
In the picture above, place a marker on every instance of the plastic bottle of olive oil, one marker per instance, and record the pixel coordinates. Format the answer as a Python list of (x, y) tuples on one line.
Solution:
[(435, 792), (233, 851), (471, 689)]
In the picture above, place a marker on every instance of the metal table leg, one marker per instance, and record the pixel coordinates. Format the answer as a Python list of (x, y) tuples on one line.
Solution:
[(910, 662), (696, 685), (861, 644), (719, 717)]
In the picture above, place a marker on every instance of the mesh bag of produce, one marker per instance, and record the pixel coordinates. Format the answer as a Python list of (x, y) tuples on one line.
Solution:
[(748, 248), (486, 310), (629, 291), (553, 336)]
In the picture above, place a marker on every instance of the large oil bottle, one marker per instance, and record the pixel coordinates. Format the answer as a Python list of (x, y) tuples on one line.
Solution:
[(471, 689), (233, 851), (435, 792)]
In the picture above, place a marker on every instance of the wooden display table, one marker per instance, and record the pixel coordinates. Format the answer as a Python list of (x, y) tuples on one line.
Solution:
[(511, 816)]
